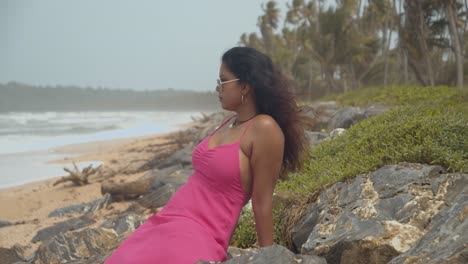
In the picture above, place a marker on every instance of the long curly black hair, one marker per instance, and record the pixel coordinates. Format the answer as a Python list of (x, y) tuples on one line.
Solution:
[(274, 96)]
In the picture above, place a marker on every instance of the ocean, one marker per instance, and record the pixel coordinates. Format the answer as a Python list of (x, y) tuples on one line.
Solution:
[(27, 139)]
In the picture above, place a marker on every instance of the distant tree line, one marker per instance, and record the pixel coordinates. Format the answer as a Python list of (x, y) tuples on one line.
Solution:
[(18, 97), (335, 46)]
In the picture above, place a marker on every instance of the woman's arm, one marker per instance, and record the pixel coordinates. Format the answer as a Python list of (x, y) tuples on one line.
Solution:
[(266, 160)]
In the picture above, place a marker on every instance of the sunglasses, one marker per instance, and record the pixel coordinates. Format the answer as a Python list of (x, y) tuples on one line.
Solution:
[(220, 83)]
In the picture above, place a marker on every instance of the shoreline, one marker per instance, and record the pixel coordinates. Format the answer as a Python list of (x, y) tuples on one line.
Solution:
[(28, 205), (92, 151)]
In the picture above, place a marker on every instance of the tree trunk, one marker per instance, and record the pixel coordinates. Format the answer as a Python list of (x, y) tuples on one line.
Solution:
[(389, 40), (331, 81), (309, 82), (418, 72), (401, 43), (423, 44), (452, 16), (386, 43), (405, 66)]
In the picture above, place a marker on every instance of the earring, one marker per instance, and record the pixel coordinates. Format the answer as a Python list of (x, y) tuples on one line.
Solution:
[(242, 99)]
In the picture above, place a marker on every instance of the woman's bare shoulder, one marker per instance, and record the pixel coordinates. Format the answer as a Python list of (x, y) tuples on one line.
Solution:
[(266, 126)]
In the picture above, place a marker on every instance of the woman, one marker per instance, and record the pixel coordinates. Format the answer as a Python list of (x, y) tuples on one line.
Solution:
[(241, 160)]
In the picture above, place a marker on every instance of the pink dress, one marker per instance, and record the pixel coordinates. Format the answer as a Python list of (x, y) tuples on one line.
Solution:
[(198, 221)]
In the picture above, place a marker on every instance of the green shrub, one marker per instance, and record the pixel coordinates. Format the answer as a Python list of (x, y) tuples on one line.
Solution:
[(245, 234), (426, 125), (402, 96), (420, 134)]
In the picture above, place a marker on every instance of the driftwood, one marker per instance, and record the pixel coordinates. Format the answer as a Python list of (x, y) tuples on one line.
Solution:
[(78, 177), (128, 189)]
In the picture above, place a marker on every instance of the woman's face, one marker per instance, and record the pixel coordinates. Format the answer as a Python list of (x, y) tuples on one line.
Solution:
[(230, 91)]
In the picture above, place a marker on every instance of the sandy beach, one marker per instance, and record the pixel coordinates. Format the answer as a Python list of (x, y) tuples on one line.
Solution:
[(29, 205)]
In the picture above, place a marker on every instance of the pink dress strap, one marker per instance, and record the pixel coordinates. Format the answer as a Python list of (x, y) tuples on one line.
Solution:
[(245, 129), (225, 121)]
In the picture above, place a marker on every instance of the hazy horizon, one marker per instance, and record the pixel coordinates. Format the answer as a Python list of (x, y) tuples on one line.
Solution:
[(138, 45)]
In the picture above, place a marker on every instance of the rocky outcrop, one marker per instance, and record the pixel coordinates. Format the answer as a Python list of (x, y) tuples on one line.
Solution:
[(402, 213), (319, 114), (91, 245), (268, 255), (12, 255), (328, 116), (346, 117), (182, 157), (316, 138), (388, 213), (447, 238), (62, 227), (86, 208)]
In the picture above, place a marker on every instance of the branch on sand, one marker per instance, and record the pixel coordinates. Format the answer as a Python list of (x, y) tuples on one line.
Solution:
[(78, 177)]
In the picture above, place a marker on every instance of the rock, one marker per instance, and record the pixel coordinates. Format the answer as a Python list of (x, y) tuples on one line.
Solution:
[(319, 114), (11, 255), (162, 173), (87, 208), (233, 252), (123, 225), (376, 217), (390, 180), (183, 157), (375, 109), (346, 117), (77, 246), (177, 177), (163, 187), (301, 232), (273, 254), (62, 227), (92, 259), (147, 184), (159, 197), (315, 137), (447, 238), (5, 223), (88, 246), (336, 132)]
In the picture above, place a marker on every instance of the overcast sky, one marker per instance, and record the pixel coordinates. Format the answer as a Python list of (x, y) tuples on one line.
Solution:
[(150, 44)]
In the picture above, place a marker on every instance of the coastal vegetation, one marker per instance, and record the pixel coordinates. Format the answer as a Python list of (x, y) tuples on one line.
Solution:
[(338, 46), (427, 125), (405, 54), (18, 97)]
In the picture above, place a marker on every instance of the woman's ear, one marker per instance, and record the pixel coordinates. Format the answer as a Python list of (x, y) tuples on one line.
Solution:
[(246, 88)]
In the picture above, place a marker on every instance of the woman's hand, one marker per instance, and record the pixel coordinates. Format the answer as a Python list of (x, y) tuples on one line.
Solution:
[(266, 160)]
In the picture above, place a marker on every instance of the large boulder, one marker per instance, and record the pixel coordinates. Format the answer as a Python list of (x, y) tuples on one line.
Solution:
[(269, 255), (319, 114), (163, 186), (182, 157), (77, 246), (447, 238), (377, 217), (346, 117), (91, 245)]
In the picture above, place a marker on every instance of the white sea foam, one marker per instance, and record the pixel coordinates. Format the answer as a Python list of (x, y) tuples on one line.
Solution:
[(23, 133)]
